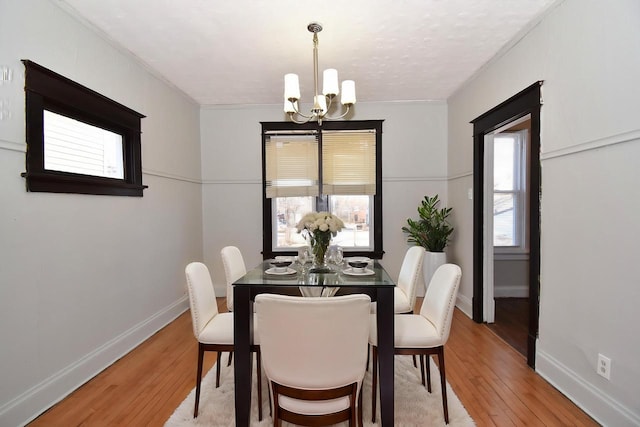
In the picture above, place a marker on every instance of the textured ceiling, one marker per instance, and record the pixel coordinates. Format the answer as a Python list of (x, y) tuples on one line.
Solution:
[(237, 52)]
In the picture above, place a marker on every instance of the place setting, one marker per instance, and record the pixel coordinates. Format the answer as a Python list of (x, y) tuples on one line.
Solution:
[(281, 266), (357, 266)]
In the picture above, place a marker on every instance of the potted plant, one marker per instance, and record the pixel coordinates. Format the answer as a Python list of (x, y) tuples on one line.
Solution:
[(432, 231)]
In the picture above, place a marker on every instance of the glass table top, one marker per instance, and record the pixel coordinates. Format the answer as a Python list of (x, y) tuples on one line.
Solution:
[(297, 275)]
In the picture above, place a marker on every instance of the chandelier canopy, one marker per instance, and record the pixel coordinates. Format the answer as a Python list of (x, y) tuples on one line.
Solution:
[(321, 103)]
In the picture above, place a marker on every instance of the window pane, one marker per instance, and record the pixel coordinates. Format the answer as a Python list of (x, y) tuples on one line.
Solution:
[(503, 160), (289, 210), (504, 220), (355, 212), (77, 147)]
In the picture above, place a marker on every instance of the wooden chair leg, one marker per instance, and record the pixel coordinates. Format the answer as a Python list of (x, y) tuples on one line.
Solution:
[(360, 422), (230, 358), (374, 383), (218, 369), (421, 368), (415, 365), (198, 379), (368, 351), (259, 375), (428, 368), (443, 384)]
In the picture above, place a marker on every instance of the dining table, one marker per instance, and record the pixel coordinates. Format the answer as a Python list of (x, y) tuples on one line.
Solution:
[(373, 281)]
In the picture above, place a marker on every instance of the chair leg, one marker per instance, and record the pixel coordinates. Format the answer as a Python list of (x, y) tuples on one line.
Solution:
[(360, 422), (428, 368), (218, 369), (368, 350), (421, 368), (259, 375), (415, 365), (374, 383), (443, 384), (198, 378), (230, 358)]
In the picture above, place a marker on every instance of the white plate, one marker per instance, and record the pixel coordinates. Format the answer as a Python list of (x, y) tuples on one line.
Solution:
[(358, 258), (366, 272), (280, 273)]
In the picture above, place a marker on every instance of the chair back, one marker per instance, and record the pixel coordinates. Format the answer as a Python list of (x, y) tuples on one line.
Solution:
[(234, 268), (202, 296), (313, 343), (410, 272), (440, 299)]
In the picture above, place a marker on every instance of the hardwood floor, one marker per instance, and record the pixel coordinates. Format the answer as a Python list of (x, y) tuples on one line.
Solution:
[(512, 322), (143, 388)]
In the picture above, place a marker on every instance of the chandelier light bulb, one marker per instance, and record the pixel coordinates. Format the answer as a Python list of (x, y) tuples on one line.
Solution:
[(348, 92), (291, 86), (330, 82)]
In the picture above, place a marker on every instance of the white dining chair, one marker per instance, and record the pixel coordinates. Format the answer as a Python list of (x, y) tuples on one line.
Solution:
[(404, 294), (314, 355), (234, 268), (426, 333), (212, 329)]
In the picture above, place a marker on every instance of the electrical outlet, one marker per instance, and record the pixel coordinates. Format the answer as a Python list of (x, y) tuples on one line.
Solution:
[(604, 366)]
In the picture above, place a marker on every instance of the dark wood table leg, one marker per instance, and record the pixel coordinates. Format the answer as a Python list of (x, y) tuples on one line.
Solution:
[(243, 363), (385, 320)]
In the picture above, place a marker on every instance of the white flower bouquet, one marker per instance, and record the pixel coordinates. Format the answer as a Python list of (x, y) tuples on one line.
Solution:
[(320, 227)]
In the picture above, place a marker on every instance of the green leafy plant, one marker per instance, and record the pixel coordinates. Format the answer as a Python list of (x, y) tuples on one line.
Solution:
[(432, 231)]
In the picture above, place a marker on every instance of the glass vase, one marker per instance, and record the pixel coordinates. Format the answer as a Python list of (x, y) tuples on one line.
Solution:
[(319, 243)]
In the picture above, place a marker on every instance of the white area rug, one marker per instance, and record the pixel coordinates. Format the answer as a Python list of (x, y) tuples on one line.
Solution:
[(414, 405)]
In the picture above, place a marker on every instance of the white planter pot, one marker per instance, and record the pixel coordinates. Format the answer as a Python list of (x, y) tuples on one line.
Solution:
[(432, 260)]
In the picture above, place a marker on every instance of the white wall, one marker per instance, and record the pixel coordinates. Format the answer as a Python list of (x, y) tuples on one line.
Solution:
[(83, 279), (586, 51), (414, 164)]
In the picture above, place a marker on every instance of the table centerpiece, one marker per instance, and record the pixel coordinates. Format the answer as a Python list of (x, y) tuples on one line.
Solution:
[(319, 227)]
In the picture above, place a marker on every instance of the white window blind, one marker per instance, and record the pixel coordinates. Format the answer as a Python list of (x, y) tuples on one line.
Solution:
[(349, 162), (291, 166), (77, 147)]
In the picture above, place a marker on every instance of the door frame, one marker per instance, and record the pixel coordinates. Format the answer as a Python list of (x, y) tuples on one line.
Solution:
[(528, 101), (488, 280)]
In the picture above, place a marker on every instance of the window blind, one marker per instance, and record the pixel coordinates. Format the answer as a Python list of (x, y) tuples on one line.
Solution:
[(291, 166), (349, 162)]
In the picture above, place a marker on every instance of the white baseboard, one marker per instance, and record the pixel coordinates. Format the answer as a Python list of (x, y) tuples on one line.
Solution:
[(465, 305), (600, 406), (510, 292), (33, 402)]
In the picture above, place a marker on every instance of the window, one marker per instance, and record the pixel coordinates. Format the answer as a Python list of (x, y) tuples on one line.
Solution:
[(79, 141), (336, 168), (509, 190)]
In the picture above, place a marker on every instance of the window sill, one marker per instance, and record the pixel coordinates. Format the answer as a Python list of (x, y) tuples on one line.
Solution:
[(60, 182), (511, 256)]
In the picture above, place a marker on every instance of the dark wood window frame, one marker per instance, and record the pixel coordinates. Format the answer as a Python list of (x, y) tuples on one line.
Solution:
[(267, 238), (47, 90)]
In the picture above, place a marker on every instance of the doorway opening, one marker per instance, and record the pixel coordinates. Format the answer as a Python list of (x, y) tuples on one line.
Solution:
[(506, 225), (506, 242)]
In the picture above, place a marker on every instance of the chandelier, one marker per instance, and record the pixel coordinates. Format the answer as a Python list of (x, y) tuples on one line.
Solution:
[(321, 103)]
